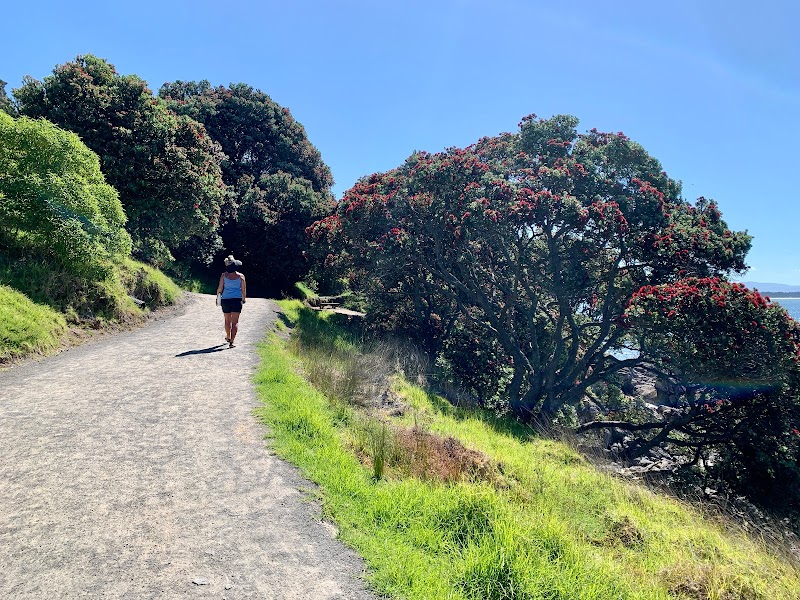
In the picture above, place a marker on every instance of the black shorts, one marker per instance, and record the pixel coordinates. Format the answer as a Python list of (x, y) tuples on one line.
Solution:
[(230, 305)]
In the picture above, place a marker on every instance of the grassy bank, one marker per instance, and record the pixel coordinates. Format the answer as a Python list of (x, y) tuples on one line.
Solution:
[(454, 503), (41, 300), (27, 327)]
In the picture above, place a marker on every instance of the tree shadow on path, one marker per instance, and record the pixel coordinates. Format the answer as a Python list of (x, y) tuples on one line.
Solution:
[(217, 348)]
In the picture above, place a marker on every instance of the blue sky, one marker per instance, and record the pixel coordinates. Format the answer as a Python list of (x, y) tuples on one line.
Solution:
[(710, 88)]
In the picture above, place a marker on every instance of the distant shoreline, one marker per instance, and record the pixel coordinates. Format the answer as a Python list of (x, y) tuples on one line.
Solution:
[(774, 289)]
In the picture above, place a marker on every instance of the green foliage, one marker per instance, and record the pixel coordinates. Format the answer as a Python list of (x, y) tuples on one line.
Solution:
[(55, 199), (61, 229), (27, 327), (268, 232), (258, 136), (5, 102), (555, 528), (165, 167), (278, 181), (196, 283), (167, 158)]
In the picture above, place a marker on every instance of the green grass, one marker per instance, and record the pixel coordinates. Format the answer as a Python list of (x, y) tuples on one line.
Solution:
[(148, 284), (305, 292), (27, 327), (549, 526)]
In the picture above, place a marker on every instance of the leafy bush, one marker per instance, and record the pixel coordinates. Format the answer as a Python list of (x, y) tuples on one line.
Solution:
[(55, 199), (165, 167)]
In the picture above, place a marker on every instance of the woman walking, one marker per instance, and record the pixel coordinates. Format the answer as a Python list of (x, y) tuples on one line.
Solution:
[(233, 290)]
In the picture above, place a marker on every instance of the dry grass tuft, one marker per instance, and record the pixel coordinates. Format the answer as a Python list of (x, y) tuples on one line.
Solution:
[(705, 581), (399, 452), (625, 533), (432, 457)]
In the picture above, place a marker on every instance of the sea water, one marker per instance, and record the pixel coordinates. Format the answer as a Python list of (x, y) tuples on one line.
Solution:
[(792, 306)]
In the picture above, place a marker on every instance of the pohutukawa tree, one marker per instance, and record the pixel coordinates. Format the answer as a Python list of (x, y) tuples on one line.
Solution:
[(528, 247)]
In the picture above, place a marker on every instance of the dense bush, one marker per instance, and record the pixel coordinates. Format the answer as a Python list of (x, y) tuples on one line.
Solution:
[(54, 200)]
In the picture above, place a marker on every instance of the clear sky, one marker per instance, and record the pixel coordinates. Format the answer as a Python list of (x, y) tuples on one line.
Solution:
[(709, 87)]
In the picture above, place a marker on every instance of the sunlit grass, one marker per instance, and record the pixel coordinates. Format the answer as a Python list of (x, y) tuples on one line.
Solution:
[(148, 284), (548, 525), (305, 292), (27, 327)]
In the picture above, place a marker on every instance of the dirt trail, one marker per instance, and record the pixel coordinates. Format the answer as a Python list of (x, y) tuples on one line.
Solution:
[(132, 467)]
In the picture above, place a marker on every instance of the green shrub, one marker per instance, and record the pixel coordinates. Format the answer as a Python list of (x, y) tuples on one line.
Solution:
[(56, 200)]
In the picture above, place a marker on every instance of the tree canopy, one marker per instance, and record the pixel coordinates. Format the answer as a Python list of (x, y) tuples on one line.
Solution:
[(279, 184), (191, 165), (165, 167)]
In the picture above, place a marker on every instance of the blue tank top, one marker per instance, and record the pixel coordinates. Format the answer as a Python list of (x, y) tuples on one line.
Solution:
[(231, 288)]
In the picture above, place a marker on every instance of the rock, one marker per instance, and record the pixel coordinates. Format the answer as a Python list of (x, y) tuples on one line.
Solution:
[(613, 436), (200, 581), (634, 470), (638, 384), (669, 393), (588, 410)]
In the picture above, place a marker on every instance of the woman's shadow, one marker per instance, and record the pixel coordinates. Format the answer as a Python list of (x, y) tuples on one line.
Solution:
[(217, 348)]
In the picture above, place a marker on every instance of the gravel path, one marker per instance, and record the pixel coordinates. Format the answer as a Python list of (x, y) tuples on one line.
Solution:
[(132, 467)]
